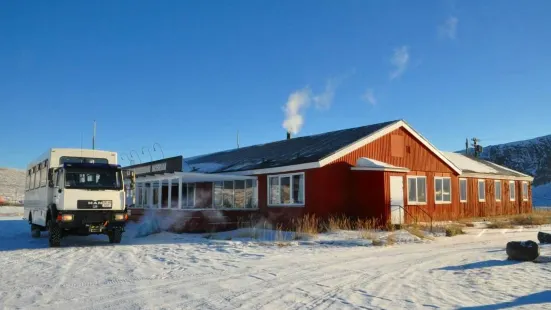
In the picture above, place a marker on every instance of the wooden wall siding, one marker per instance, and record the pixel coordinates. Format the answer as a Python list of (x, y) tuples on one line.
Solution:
[(369, 195), (416, 156)]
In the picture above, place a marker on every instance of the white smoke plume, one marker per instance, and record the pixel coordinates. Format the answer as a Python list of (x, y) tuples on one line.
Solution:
[(294, 109)]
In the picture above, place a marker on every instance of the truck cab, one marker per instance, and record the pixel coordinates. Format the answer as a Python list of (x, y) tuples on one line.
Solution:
[(88, 198)]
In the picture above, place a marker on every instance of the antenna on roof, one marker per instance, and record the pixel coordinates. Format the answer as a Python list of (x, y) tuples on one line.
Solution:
[(466, 146), (94, 137), (238, 138)]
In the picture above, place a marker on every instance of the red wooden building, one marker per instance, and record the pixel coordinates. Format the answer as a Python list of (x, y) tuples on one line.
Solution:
[(386, 171)]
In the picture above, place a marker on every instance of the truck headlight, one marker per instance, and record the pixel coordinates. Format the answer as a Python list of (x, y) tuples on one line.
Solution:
[(120, 216), (67, 217)]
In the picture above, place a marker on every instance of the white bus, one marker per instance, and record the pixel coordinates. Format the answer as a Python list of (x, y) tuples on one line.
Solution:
[(75, 192)]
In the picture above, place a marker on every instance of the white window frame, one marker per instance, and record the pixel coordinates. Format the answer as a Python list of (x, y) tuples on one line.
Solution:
[(184, 206), (498, 199), (279, 176), (466, 190), (525, 192), (512, 191), (478, 190), (442, 202), (416, 202), (254, 197)]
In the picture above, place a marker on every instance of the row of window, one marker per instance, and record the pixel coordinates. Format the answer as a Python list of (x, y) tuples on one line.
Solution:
[(417, 190), (238, 194), (37, 176)]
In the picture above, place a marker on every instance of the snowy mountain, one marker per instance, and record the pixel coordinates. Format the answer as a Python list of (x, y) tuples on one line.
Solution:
[(532, 157), (12, 184)]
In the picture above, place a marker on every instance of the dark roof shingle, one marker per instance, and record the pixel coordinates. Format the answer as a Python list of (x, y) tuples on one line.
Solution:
[(294, 151)]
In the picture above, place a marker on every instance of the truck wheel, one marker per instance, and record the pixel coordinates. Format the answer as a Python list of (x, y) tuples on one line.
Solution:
[(35, 231), (115, 236), (55, 234)]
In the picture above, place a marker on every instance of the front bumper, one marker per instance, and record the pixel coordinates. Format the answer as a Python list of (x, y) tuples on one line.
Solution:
[(92, 221)]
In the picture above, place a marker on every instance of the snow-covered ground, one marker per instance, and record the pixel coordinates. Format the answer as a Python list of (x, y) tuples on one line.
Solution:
[(171, 271)]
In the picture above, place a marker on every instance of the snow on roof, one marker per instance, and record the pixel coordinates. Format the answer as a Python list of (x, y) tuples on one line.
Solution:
[(364, 162), (467, 164), (476, 165)]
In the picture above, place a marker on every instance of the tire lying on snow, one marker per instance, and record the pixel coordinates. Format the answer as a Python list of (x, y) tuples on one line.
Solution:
[(523, 250), (544, 237)]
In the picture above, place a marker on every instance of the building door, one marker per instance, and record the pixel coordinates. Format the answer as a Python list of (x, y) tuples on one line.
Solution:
[(396, 200)]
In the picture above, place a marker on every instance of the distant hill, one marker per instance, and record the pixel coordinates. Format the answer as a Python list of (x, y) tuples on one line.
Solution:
[(12, 184), (532, 157)]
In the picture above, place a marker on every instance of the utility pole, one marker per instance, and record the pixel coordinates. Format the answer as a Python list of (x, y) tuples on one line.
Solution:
[(94, 137), (466, 146), (237, 138)]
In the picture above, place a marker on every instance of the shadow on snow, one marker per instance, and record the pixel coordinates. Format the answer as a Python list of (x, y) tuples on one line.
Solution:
[(480, 265), (532, 299)]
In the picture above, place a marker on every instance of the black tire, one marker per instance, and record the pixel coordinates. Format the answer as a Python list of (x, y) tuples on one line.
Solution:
[(35, 230), (54, 239), (115, 236)]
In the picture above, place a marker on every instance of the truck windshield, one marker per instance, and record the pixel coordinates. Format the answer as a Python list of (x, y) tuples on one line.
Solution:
[(93, 179)]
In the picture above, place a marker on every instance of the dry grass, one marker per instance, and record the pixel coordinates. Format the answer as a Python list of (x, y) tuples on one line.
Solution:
[(391, 239), (499, 225), (336, 223), (414, 230), (308, 225), (378, 242), (535, 219), (454, 230), (365, 228), (469, 224)]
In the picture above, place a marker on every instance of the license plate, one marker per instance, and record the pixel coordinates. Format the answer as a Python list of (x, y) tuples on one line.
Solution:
[(95, 228)]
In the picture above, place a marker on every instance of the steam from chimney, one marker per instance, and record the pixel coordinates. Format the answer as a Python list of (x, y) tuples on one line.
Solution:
[(294, 109)]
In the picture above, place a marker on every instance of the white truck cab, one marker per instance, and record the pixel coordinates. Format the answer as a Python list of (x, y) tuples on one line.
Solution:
[(75, 192)]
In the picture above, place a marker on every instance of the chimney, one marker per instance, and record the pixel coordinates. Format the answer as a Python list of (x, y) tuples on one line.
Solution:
[(288, 135)]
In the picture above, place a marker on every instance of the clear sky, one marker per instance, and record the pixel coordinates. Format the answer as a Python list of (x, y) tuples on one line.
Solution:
[(190, 74)]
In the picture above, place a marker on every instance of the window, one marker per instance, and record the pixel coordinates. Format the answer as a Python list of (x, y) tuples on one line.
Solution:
[(286, 190), (227, 194), (239, 193), (512, 196), (35, 177), (80, 160), (463, 190), (442, 190), (417, 190), (273, 190), (236, 194), (109, 179), (217, 193), (525, 191), (498, 190), (188, 195), (44, 175), (481, 190), (28, 185)]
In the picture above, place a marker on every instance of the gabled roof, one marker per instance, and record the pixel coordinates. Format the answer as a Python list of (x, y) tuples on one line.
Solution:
[(476, 167), (300, 153)]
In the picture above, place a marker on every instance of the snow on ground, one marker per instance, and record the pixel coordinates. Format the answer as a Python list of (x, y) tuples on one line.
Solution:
[(188, 271)]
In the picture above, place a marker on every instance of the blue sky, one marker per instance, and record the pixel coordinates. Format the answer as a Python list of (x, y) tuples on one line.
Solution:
[(190, 74)]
